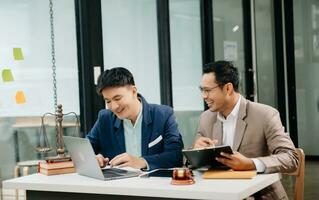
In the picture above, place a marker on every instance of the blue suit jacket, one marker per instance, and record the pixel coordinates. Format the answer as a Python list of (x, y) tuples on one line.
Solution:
[(161, 140)]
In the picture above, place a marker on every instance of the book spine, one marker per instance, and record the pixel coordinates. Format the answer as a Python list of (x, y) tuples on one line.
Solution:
[(60, 165), (57, 171)]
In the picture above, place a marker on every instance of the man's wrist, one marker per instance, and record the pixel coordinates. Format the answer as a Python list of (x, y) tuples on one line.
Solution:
[(144, 166)]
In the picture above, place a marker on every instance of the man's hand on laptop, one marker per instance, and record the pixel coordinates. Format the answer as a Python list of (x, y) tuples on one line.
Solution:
[(102, 161), (204, 142), (126, 160)]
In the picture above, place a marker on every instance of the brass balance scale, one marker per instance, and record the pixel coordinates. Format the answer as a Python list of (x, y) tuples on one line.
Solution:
[(44, 145)]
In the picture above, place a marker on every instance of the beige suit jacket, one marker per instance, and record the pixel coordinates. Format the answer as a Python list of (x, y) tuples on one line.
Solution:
[(258, 134)]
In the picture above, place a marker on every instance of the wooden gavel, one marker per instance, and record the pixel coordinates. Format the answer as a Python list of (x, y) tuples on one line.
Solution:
[(182, 174)]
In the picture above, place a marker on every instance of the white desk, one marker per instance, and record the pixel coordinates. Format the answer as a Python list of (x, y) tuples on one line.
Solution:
[(74, 186)]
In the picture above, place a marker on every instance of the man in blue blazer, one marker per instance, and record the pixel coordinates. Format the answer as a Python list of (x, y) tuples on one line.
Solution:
[(132, 132)]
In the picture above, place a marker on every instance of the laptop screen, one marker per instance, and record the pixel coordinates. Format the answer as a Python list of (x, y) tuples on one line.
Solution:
[(86, 164)]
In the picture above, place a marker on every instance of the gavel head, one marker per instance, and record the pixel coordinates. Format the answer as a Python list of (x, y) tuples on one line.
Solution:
[(182, 174)]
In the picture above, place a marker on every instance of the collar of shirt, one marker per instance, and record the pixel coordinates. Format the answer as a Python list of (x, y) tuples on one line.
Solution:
[(133, 135), (128, 122), (232, 116), (229, 125)]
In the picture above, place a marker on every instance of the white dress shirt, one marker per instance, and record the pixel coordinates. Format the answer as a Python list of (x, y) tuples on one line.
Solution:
[(229, 124), (229, 127)]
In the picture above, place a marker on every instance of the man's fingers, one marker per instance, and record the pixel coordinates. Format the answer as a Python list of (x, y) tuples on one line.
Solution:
[(204, 142), (106, 161), (225, 161), (200, 145), (118, 160), (101, 160), (226, 155), (222, 160), (210, 142), (123, 165), (101, 163), (118, 156), (214, 142)]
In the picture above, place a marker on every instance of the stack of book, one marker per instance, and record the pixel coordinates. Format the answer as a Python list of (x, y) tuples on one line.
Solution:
[(53, 168)]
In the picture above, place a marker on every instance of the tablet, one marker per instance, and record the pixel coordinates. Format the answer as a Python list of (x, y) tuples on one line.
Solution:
[(159, 173), (206, 157)]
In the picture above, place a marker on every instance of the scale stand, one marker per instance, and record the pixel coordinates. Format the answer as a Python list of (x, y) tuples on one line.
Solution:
[(61, 156)]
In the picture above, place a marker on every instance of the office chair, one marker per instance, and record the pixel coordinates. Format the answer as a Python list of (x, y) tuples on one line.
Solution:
[(300, 176)]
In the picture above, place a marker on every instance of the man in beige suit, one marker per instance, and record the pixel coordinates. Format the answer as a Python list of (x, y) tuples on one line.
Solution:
[(253, 130)]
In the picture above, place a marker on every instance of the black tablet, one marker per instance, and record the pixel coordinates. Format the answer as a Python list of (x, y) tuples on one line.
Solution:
[(206, 157), (159, 173)]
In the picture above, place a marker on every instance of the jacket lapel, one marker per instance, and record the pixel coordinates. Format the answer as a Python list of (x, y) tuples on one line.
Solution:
[(146, 126), (119, 134), (241, 124), (146, 129)]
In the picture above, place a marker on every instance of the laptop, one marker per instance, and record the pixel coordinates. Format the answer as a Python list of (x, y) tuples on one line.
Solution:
[(86, 164)]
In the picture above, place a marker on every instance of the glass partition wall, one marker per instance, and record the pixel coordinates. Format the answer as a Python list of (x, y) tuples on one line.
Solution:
[(185, 34), (265, 53), (26, 77), (229, 35), (130, 41), (306, 39)]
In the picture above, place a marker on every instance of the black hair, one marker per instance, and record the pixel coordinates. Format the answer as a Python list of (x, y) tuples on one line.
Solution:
[(115, 77), (224, 71)]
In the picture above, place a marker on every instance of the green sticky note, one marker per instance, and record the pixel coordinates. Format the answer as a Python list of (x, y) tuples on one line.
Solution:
[(17, 54), (7, 75)]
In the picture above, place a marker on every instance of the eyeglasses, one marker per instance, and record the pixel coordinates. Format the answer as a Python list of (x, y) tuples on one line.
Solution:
[(207, 90)]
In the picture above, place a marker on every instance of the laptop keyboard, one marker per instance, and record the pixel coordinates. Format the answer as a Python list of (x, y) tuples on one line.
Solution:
[(113, 172)]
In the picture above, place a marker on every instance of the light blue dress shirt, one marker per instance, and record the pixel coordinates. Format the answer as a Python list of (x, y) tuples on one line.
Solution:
[(133, 134)]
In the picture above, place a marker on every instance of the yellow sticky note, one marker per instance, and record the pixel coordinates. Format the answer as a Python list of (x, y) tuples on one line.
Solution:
[(17, 54), (20, 98), (7, 75)]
